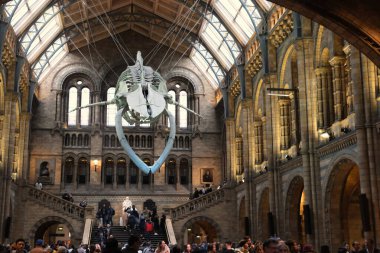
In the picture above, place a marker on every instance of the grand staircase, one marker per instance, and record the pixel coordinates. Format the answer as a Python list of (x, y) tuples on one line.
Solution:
[(122, 235)]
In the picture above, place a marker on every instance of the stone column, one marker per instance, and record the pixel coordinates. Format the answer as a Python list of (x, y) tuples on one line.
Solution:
[(6, 145), (96, 98), (321, 106), (307, 101), (284, 105), (349, 94), (259, 148), (24, 145), (230, 150), (337, 63), (361, 70), (239, 155)]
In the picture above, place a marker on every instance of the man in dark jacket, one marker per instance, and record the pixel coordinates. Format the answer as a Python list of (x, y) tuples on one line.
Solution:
[(134, 243)]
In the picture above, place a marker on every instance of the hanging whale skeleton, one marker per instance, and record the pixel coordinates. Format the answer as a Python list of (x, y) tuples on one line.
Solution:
[(141, 96)]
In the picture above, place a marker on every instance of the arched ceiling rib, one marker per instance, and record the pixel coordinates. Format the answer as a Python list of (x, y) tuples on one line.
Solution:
[(211, 34)]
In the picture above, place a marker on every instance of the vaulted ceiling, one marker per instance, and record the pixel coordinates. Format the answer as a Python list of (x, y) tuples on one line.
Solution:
[(211, 32)]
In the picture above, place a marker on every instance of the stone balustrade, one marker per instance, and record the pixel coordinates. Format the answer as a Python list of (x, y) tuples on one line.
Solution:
[(56, 203), (198, 204)]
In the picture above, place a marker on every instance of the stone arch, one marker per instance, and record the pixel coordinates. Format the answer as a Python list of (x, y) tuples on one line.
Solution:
[(283, 64), (38, 229), (2, 89), (293, 216), (259, 91), (341, 205), (318, 45), (264, 209), (189, 75), (242, 215), (73, 69), (202, 220)]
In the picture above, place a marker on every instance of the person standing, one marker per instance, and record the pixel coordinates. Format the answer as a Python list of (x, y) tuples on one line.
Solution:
[(134, 243), (38, 247)]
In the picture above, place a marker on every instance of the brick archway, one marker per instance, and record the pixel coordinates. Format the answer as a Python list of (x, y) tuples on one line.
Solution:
[(292, 219), (208, 223), (342, 210), (40, 227)]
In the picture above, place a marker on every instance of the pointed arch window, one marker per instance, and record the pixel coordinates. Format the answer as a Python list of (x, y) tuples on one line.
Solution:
[(82, 170), (85, 112), (109, 171), (183, 112), (69, 170), (112, 110), (72, 118), (171, 107), (121, 169)]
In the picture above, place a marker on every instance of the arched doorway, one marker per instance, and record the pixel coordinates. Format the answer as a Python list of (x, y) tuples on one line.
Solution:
[(200, 229), (52, 229), (294, 210), (343, 221), (242, 216), (263, 220)]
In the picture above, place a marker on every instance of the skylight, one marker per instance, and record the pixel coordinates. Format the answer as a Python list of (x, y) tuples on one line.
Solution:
[(238, 17), (22, 12), (218, 39)]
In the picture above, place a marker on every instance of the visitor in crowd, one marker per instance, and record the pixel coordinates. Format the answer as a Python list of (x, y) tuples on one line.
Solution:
[(134, 243), (38, 248), (162, 247), (355, 247), (112, 246), (38, 185)]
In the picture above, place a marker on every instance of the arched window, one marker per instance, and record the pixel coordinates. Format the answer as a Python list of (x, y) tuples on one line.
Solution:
[(113, 141), (182, 92), (130, 140), (82, 170), (80, 140), (150, 141), (86, 140), (171, 165), (146, 177), (183, 112), (180, 141), (111, 108), (106, 141), (73, 96), (184, 171), (85, 112), (171, 107), (187, 142), (120, 169), (143, 141), (137, 141), (133, 173), (69, 169), (73, 140), (108, 170), (67, 140)]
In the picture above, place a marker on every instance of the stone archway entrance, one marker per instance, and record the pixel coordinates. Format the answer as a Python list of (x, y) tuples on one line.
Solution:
[(294, 221), (200, 229), (263, 221), (242, 216), (52, 229), (342, 204)]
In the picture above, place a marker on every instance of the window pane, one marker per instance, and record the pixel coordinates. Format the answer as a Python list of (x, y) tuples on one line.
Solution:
[(85, 113), (111, 109), (72, 118), (171, 107), (183, 112)]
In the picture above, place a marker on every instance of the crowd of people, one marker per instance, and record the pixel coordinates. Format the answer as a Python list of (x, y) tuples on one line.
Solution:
[(137, 244)]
